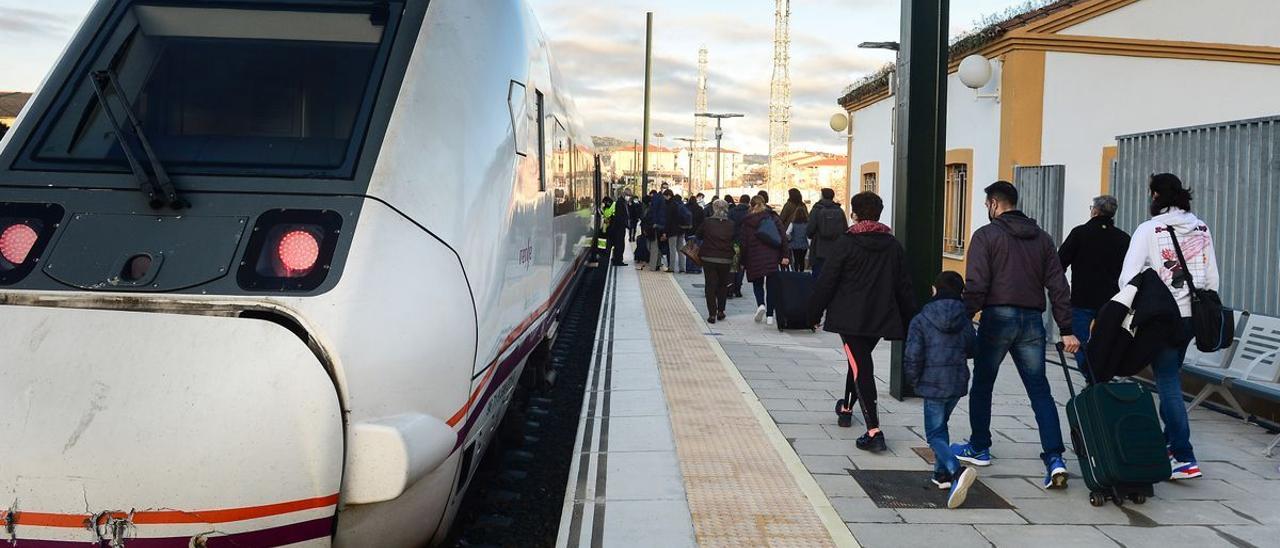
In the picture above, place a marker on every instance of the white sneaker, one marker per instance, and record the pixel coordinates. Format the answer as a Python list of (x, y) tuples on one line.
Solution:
[(760, 314), (769, 320)]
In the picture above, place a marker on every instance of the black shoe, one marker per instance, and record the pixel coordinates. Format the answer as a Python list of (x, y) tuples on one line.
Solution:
[(942, 480), (711, 319), (720, 315), (875, 443), (844, 415)]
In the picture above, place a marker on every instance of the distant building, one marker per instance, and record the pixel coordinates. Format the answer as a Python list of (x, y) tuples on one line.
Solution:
[(732, 169), (1066, 80), (624, 163)]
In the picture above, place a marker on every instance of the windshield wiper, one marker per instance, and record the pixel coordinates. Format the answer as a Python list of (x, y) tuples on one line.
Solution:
[(159, 193)]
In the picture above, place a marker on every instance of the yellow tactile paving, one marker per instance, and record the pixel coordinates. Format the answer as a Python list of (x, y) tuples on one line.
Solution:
[(739, 489)]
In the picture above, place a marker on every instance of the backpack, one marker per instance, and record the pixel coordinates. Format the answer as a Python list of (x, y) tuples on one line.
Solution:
[(686, 217), (829, 220), (768, 232)]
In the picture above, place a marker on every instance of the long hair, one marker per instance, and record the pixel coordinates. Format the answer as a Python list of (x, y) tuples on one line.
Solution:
[(1169, 192), (794, 196), (758, 204)]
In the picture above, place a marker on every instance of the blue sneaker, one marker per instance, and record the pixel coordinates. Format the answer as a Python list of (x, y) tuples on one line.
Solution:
[(966, 453), (960, 487), (1055, 474)]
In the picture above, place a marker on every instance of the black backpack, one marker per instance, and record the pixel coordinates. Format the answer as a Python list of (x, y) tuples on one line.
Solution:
[(830, 222)]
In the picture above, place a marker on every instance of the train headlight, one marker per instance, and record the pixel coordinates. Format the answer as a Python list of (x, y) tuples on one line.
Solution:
[(25, 232), (290, 250)]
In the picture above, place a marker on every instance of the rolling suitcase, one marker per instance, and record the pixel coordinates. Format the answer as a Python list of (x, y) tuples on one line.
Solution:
[(1116, 434), (789, 292)]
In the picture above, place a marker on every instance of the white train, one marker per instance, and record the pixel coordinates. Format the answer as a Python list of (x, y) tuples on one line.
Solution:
[(269, 269)]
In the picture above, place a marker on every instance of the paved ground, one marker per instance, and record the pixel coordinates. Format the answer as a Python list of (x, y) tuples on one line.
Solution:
[(798, 375)]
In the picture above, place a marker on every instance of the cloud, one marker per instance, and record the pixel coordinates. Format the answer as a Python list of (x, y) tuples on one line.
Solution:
[(31, 22)]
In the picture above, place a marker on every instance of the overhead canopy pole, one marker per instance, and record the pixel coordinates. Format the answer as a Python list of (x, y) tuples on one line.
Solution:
[(920, 151), (648, 80)]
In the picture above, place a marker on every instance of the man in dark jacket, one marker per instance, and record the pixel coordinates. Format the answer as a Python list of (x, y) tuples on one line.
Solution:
[(865, 292), (633, 215), (617, 232), (657, 218), (1094, 252), (1011, 263), (935, 361), (737, 213), (827, 222)]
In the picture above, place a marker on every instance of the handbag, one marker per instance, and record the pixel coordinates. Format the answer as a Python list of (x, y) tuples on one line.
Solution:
[(1213, 324), (692, 249), (768, 232)]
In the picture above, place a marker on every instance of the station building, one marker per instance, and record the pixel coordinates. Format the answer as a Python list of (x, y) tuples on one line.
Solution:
[(1066, 81)]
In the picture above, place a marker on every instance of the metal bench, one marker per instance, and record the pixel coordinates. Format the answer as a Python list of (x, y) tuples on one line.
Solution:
[(1261, 379), (1214, 368)]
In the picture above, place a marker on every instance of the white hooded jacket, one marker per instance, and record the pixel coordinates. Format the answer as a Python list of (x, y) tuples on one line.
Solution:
[(1152, 247)]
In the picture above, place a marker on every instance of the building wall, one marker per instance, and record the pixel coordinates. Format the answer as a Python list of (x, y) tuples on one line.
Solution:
[(1091, 99), (1249, 22), (872, 142), (972, 123)]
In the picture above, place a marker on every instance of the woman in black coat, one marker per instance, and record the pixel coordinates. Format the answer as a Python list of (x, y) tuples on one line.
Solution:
[(865, 291)]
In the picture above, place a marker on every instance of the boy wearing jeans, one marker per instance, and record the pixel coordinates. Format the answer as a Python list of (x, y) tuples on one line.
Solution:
[(940, 342)]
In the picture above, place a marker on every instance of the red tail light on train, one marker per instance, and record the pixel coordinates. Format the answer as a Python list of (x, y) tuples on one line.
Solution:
[(25, 232), (16, 241), (290, 250)]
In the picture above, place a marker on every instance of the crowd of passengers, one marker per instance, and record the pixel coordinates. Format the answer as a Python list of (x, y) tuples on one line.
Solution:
[(862, 292)]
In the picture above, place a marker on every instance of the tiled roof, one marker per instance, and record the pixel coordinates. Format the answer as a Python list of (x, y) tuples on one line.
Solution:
[(968, 43)]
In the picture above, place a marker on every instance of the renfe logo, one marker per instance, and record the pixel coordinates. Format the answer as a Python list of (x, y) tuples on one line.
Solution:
[(526, 253)]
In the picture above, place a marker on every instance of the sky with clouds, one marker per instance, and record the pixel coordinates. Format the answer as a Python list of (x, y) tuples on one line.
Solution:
[(599, 45)]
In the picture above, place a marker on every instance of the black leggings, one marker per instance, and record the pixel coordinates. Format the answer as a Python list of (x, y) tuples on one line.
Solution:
[(860, 378)]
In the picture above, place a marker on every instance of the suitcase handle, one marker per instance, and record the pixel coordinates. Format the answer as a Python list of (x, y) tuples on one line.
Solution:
[(1066, 372)]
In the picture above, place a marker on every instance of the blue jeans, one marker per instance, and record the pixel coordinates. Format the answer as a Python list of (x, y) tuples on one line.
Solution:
[(937, 413), (1081, 319), (1167, 366), (1020, 332), (757, 287)]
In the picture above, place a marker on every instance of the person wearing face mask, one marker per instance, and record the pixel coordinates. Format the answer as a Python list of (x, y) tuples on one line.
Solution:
[(1152, 246), (1011, 263)]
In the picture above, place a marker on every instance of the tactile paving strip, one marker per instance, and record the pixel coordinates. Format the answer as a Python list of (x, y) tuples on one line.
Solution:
[(740, 491)]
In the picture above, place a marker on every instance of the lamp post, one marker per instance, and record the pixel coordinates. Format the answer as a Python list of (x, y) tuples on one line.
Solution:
[(689, 142), (719, 136)]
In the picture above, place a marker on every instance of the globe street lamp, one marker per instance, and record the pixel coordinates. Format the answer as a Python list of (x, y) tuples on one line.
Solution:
[(719, 135)]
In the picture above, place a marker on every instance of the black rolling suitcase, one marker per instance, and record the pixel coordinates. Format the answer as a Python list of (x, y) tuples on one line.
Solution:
[(1117, 436), (789, 292)]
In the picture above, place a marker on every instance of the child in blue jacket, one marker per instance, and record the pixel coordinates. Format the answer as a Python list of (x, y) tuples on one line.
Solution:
[(940, 342)]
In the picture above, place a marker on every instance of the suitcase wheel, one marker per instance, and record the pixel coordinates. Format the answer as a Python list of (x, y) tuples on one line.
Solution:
[(1097, 499), (1138, 499)]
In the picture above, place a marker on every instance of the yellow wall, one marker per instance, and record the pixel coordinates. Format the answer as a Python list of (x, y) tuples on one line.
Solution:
[(1108, 155), (1021, 110), (962, 156)]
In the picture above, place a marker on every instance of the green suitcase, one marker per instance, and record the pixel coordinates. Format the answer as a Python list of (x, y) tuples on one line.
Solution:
[(1116, 433)]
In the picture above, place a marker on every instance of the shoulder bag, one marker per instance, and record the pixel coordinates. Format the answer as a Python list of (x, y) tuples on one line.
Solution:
[(1212, 323)]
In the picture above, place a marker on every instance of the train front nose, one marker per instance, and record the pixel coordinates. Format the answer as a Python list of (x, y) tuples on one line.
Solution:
[(195, 430)]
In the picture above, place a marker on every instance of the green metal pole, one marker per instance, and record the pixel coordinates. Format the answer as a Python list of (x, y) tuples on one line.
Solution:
[(920, 151), (648, 80)]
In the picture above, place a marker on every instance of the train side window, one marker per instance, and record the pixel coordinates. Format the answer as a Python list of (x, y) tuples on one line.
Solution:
[(561, 174), (542, 143), (521, 118)]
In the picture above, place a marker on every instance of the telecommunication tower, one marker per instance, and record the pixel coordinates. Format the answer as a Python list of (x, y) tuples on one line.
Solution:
[(780, 96), (699, 149)]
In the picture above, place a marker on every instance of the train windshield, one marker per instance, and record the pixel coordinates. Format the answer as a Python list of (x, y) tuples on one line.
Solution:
[(219, 90)]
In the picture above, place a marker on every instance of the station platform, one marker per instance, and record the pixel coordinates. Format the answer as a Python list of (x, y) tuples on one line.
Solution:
[(723, 435)]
